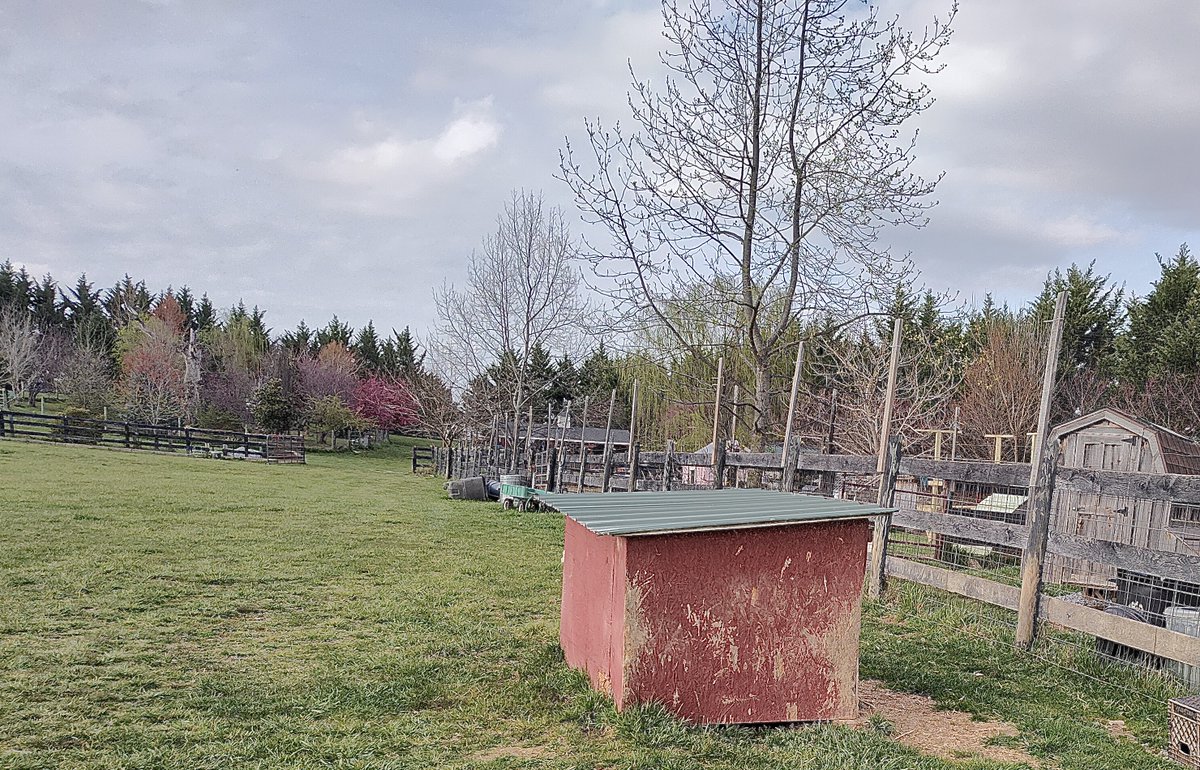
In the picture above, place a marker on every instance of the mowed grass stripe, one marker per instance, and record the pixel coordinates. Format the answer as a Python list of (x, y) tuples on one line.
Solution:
[(160, 611)]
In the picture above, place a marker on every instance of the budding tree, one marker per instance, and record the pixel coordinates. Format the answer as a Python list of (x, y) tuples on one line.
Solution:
[(765, 168), (19, 349), (521, 293)]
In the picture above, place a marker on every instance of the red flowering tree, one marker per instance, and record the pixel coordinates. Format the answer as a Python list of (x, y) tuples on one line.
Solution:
[(388, 403)]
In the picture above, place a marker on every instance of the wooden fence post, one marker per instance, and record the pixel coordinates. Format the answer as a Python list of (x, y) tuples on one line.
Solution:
[(1033, 558), (719, 466), (633, 466), (668, 465), (606, 474), (551, 468), (1043, 466), (876, 572), (717, 405), (791, 412), (787, 481), (890, 399)]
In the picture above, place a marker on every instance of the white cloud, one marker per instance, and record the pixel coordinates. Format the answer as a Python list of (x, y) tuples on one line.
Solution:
[(382, 172), (472, 133)]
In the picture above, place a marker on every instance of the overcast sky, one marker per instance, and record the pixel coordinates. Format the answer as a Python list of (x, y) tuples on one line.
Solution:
[(321, 158)]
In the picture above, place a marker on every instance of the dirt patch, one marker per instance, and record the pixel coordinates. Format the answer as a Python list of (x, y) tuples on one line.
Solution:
[(511, 752), (917, 722), (1117, 729)]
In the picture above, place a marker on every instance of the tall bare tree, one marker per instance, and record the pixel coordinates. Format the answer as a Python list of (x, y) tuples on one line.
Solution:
[(521, 292), (764, 168), (1002, 385), (858, 365), (19, 351)]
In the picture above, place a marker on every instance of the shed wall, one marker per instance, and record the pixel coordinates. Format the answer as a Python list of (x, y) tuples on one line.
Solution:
[(746, 625), (591, 630)]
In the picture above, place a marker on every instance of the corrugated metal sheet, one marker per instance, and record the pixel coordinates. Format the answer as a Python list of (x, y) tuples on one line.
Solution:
[(651, 513)]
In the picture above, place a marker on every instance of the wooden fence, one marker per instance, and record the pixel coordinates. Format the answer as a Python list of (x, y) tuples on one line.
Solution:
[(153, 438), (823, 473)]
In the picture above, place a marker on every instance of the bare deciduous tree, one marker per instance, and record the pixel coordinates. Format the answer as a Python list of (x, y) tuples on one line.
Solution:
[(86, 379), (1002, 386), (765, 169), (925, 387), (521, 292), (436, 411), (18, 349)]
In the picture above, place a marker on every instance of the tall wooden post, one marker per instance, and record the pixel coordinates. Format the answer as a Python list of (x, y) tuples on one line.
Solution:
[(787, 480), (889, 401), (876, 572), (829, 478), (717, 407), (606, 474), (587, 400), (633, 415), (1033, 558), (1041, 490), (633, 468), (529, 444), (733, 412), (719, 466), (954, 437), (791, 413), (668, 465)]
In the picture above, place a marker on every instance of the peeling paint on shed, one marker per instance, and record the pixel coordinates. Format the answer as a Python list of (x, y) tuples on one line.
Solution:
[(744, 625)]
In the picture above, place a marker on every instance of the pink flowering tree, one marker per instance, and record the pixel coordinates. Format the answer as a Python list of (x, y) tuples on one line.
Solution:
[(387, 403)]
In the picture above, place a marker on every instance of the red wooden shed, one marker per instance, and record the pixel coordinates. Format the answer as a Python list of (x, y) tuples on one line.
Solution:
[(725, 606)]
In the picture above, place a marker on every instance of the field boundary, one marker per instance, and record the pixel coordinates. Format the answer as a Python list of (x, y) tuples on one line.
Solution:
[(168, 439)]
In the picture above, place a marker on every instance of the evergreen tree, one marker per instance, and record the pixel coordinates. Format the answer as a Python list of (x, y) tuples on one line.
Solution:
[(206, 314), (16, 288), (44, 306), (82, 301), (335, 331), (1159, 324), (125, 301), (367, 350), (1093, 318), (298, 341), (187, 304), (564, 383), (259, 331), (408, 361)]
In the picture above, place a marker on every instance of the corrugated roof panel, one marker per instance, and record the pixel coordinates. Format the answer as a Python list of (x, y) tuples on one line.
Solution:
[(653, 513)]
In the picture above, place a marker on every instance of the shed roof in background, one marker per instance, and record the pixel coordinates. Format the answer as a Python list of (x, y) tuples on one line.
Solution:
[(690, 510), (1179, 453), (573, 435)]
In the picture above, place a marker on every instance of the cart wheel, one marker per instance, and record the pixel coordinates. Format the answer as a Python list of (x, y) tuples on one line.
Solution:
[(508, 503), (524, 506)]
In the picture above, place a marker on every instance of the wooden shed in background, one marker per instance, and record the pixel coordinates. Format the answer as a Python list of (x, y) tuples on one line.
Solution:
[(1109, 439), (729, 606)]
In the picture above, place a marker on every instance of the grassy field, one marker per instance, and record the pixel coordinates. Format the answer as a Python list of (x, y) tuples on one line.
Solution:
[(166, 612)]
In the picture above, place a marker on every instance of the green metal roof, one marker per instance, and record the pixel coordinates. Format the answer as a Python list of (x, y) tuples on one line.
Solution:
[(653, 513)]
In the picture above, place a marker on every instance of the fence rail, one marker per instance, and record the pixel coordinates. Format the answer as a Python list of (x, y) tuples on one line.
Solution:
[(153, 438)]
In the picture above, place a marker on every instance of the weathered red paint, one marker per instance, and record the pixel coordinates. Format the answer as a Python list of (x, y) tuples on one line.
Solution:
[(730, 626)]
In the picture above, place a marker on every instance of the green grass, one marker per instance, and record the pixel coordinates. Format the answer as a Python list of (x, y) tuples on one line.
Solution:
[(167, 612)]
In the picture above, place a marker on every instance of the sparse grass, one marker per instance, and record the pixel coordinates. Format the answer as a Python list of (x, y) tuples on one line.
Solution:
[(167, 612)]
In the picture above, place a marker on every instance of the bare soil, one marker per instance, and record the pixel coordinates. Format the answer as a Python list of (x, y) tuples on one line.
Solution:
[(917, 722)]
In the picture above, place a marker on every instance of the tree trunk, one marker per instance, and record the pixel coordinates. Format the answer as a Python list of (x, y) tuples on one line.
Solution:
[(762, 404)]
